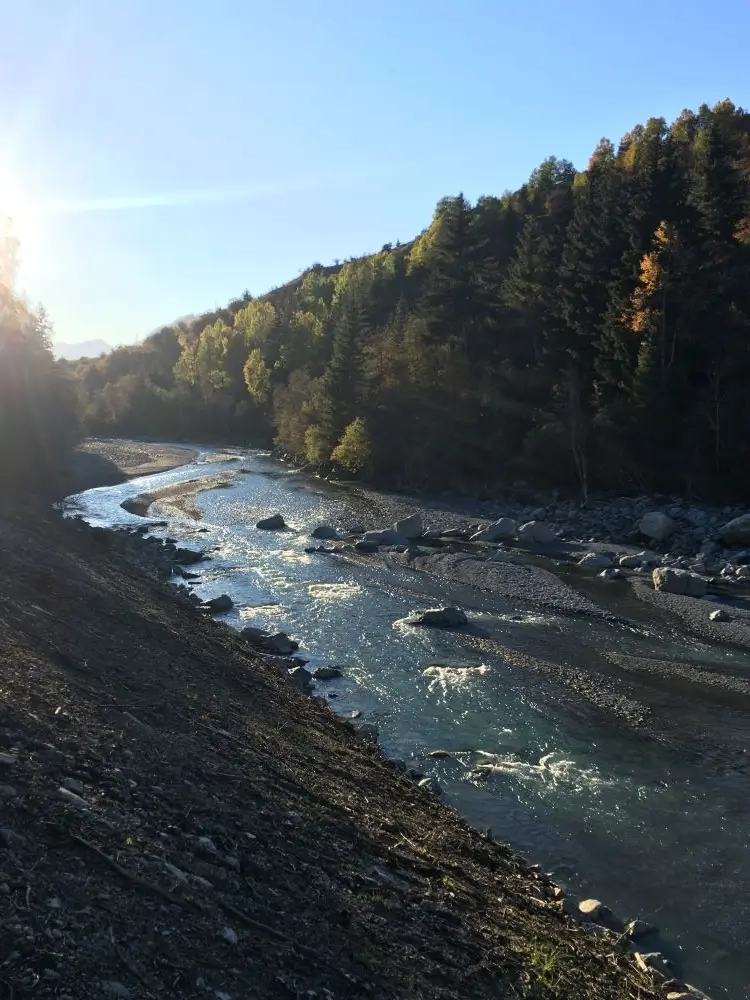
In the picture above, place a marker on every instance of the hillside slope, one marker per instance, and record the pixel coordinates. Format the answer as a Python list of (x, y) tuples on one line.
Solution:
[(177, 820)]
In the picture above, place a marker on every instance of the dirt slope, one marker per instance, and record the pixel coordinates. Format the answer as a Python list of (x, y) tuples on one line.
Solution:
[(219, 835)]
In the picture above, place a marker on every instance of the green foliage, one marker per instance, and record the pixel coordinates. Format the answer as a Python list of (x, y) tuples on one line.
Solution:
[(38, 422), (257, 377), (589, 330), (354, 450)]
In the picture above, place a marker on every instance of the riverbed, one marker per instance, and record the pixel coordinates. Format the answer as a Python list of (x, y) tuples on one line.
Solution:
[(638, 796)]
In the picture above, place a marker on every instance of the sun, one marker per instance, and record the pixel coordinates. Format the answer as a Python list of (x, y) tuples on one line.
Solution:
[(20, 220)]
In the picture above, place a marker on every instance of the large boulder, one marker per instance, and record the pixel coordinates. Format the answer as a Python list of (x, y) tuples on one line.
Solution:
[(219, 604), (410, 527), (736, 531), (496, 532), (678, 581), (536, 532), (273, 523), (277, 643), (639, 559), (438, 618), (324, 531), (656, 525), (188, 556), (595, 560), (363, 546)]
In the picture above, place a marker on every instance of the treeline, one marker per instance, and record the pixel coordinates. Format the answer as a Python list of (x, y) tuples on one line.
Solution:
[(590, 330), (38, 411)]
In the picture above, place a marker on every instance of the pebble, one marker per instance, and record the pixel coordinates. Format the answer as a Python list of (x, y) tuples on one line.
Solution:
[(7, 792), (72, 798), (73, 785), (230, 935), (438, 753), (7, 760), (719, 616)]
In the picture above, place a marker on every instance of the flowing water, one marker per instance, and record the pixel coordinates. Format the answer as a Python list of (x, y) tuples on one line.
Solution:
[(653, 820)]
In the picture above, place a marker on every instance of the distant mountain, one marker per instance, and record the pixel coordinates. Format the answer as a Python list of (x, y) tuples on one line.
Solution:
[(86, 349)]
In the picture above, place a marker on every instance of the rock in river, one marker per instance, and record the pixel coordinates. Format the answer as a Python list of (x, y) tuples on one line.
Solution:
[(188, 556), (219, 604), (719, 616), (536, 532), (438, 618), (678, 581), (656, 525), (273, 523), (595, 560), (324, 531), (278, 643), (326, 673)]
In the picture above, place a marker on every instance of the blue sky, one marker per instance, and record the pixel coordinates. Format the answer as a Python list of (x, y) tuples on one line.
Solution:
[(163, 155)]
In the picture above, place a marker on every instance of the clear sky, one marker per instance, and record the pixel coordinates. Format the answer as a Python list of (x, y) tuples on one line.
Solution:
[(163, 155)]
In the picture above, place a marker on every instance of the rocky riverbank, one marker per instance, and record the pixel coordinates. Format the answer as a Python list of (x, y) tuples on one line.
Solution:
[(178, 818), (163, 559)]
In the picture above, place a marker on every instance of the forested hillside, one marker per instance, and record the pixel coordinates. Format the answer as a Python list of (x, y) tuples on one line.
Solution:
[(590, 330), (38, 420)]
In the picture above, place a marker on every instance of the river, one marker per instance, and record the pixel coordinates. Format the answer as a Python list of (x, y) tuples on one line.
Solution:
[(653, 819)]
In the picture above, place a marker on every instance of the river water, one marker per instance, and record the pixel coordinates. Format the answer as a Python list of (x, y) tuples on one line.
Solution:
[(654, 820)]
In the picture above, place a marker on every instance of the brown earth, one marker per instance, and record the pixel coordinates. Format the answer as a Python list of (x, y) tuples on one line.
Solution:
[(177, 820)]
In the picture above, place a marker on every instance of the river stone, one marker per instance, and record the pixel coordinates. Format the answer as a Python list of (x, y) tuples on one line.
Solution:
[(324, 531), (326, 673), (387, 536), (595, 560), (736, 531), (742, 573), (592, 909), (637, 929), (497, 531), (280, 643), (219, 604), (678, 581), (634, 561), (656, 525), (364, 546), (410, 527), (536, 532), (652, 960), (719, 616), (277, 643), (595, 912), (188, 556), (273, 523), (611, 574), (431, 785), (438, 618)]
